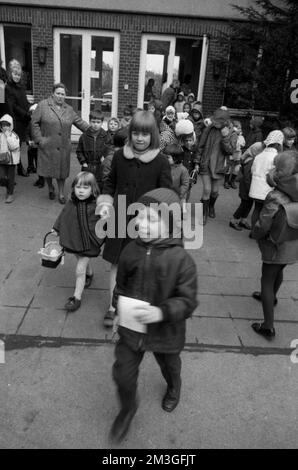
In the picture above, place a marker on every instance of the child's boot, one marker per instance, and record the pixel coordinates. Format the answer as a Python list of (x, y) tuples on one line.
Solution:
[(226, 183), (213, 197), (205, 203), (123, 420), (232, 182), (171, 398)]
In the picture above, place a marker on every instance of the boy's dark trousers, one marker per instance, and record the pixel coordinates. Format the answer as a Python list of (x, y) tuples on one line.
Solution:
[(243, 209), (126, 371), (7, 174)]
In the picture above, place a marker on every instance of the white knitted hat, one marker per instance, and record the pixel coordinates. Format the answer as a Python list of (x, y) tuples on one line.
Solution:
[(274, 137), (184, 127)]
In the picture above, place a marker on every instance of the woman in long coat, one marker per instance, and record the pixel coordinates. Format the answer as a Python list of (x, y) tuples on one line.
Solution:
[(17, 104), (51, 130)]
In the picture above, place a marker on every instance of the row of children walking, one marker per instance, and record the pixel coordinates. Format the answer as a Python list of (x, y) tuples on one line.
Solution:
[(153, 280)]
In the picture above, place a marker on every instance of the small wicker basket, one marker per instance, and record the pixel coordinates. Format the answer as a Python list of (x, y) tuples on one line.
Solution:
[(52, 252)]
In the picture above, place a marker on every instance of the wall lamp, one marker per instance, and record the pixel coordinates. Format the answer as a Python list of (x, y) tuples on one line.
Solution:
[(42, 54)]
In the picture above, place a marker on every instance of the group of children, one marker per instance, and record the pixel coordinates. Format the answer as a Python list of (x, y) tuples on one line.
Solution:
[(154, 271), (155, 275)]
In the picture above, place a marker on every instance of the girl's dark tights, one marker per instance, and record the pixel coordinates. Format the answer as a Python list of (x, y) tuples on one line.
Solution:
[(272, 277)]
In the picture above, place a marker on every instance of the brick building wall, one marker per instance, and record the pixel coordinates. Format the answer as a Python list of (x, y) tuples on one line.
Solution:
[(131, 28)]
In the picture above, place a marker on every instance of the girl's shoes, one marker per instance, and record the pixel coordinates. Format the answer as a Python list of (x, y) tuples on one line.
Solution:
[(244, 224), (235, 225), (268, 333), (88, 281), (9, 199), (257, 296), (72, 304)]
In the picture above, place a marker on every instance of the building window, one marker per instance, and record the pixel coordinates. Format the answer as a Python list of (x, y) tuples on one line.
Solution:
[(17, 41)]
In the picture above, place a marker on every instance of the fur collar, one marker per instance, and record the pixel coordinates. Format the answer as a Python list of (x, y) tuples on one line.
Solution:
[(145, 157)]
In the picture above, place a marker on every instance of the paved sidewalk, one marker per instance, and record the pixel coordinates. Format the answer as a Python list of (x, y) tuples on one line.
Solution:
[(32, 297)]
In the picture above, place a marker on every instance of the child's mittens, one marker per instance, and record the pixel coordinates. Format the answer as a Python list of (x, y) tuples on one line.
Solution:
[(225, 131)]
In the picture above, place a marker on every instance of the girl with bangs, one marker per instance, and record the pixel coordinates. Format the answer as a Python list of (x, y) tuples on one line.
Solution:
[(137, 168), (75, 227)]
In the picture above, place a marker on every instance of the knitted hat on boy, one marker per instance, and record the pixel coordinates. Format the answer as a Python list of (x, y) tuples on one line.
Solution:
[(165, 197), (221, 116), (160, 195), (184, 127)]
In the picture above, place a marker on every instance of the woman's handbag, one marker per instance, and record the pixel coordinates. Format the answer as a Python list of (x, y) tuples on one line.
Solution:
[(5, 158), (52, 252), (285, 224)]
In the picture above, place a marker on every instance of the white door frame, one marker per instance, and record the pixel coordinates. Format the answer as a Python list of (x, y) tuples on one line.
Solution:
[(86, 63), (172, 40), (204, 57), (142, 69), (2, 46)]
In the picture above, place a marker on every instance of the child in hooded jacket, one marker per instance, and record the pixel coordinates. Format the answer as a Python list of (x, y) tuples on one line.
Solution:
[(283, 180), (153, 268), (262, 164), (196, 117), (180, 175), (9, 155)]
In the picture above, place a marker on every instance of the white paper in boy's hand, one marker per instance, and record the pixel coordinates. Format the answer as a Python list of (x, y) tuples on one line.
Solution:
[(127, 314)]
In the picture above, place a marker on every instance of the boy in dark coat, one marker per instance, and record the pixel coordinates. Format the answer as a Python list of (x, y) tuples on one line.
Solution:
[(91, 146), (153, 269)]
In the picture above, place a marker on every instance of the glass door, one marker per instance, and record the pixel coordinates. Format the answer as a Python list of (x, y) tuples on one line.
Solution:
[(87, 62), (156, 67), (166, 58)]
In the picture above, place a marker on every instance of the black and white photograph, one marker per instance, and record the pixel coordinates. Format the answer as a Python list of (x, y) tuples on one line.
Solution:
[(149, 228)]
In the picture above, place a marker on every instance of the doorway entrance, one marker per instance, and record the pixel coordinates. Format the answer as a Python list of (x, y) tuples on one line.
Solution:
[(87, 62), (166, 58)]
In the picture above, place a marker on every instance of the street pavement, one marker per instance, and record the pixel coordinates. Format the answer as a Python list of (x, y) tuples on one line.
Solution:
[(239, 390)]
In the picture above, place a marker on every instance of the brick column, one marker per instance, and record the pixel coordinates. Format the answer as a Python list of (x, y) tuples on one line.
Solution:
[(214, 87), (130, 45), (43, 75)]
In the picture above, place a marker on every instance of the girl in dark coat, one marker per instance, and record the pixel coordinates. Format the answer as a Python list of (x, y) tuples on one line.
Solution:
[(275, 257), (212, 160), (153, 269), (17, 104), (137, 168), (76, 228)]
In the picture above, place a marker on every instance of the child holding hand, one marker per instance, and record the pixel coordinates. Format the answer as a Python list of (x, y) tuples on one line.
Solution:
[(76, 228)]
